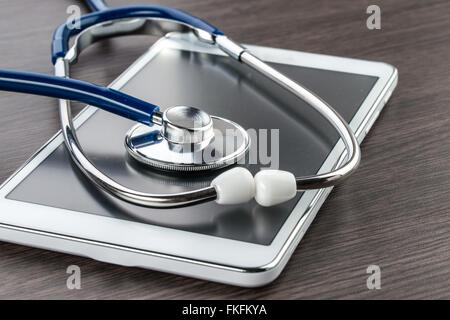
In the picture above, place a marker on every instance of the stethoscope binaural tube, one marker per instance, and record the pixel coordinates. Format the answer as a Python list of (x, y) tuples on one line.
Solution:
[(63, 33)]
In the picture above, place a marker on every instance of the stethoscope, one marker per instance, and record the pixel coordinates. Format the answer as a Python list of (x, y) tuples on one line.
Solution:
[(170, 140)]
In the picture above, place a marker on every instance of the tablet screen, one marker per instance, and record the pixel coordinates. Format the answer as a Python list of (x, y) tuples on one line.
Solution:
[(221, 87)]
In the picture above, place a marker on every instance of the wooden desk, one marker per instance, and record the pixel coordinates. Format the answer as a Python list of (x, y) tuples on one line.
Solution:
[(394, 212)]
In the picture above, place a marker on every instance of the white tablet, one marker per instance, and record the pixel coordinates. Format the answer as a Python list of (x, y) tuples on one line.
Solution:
[(49, 204)]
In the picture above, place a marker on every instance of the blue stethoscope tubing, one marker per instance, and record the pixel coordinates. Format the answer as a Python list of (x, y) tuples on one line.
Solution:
[(70, 89), (96, 5), (234, 186)]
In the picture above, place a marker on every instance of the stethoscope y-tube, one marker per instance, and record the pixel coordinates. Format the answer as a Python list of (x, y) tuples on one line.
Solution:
[(236, 185)]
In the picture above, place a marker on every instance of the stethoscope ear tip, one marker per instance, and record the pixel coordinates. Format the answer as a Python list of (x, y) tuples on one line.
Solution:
[(234, 186), (268, 187)]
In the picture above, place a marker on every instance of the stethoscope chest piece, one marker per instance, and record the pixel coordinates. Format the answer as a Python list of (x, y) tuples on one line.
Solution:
[(187, 139)]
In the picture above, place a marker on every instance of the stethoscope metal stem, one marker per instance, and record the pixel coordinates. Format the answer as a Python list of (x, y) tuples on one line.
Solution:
[(349, 139)]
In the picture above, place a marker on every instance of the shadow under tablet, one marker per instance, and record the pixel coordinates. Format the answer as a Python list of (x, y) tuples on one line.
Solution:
[(221, 87)]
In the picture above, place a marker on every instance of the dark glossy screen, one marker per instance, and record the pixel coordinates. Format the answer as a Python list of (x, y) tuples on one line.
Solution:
[(221, 87)]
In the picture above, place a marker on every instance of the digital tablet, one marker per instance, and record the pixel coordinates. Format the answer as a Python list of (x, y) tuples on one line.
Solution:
[(48, 203)]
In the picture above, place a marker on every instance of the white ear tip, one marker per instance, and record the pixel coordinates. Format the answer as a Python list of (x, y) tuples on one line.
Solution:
[(234, 186), (274, 187)]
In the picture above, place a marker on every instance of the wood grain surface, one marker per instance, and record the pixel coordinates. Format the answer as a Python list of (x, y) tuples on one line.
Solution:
[(393, 212)]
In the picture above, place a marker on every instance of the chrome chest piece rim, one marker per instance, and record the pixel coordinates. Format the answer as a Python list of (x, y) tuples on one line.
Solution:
[(188, 139)]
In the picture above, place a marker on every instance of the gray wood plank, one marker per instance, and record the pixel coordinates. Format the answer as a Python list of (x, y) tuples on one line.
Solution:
[(394, 212)]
